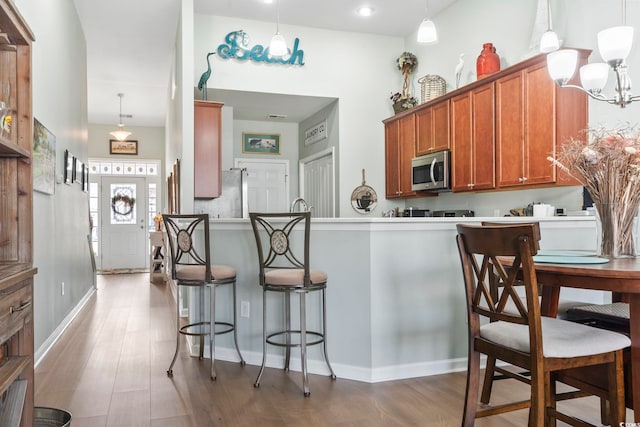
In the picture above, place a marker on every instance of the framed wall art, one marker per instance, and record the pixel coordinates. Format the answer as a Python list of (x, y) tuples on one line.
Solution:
[(44, 159), (261, 143), (123, 147), (78, 166), (68, 167)]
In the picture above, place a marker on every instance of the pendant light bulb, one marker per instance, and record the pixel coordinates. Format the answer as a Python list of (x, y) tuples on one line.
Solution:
[(120, 134), (278, 45), (427, 32), (549, 41)]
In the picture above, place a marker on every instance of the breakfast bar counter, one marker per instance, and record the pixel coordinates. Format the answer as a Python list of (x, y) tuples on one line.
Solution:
[(395, 300)]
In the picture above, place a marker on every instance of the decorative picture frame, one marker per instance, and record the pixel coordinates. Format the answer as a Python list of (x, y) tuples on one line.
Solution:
[(68, 167), (128, 147), (78, 168), (85, 178), (44, 159), (260, 143)]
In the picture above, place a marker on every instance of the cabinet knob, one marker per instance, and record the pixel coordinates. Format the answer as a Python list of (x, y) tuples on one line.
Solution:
[(520, 180), (524, 179), (470, 185)]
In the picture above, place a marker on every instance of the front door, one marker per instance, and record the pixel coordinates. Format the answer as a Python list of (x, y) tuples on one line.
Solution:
[(124, 226)]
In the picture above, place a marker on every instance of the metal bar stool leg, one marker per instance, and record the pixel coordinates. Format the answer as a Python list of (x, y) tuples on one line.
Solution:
[(212, 330), (324, 333), (235, 324), (287, 328), (175, 355), (303, 343), (264, 337), (201, 317)]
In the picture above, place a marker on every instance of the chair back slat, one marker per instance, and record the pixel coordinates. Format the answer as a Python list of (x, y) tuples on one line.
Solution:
[(275, 241), (188, 237), (491, 288)]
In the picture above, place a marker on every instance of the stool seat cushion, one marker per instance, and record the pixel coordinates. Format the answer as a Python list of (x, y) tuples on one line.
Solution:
[(560, 338), (196, 272), (292, 277)]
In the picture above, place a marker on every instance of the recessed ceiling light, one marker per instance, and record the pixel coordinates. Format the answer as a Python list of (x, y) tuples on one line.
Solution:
[(365, 11), (268, 1)]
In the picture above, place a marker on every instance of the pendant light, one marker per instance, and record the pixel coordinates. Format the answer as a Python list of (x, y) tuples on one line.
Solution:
[(427, 32), (120, 134), (549, 41), (278, 45)]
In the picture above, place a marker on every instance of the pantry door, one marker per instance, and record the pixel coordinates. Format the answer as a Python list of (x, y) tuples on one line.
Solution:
[(124, 225)]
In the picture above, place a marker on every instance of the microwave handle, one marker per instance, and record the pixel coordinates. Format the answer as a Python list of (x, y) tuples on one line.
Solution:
[(433, 165)]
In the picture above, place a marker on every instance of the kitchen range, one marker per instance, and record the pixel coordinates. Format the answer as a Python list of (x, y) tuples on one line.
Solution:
[(459, 213)]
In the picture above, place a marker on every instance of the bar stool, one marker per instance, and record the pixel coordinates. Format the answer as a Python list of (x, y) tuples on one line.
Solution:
[(282, 271), (188, 237)]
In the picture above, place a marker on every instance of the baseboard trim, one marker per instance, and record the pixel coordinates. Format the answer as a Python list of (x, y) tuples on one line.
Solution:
[(356, 373), (57, 333)]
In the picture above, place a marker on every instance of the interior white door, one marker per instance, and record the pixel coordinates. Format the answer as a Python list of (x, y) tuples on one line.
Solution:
[(319, 188), (267, 185), (124, 225)]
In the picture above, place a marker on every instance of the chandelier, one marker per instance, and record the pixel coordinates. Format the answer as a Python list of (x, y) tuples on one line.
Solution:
[(120, 134), (614, 45)]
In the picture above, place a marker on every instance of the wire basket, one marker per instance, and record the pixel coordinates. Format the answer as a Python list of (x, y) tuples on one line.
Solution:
[(432, 86), (50, 417)]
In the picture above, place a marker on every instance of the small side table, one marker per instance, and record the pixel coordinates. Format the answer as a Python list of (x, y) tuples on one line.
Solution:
[(157, 261)]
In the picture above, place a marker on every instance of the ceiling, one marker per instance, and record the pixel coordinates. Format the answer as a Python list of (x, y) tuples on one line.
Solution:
[(130, 44)]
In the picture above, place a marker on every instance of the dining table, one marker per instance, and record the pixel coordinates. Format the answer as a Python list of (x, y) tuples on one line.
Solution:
[(620, 276)]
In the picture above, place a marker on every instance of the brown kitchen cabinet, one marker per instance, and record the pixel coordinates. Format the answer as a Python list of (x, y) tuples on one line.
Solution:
[(399, 150), (533, 117), (472, 140), (207, 176), (16, 216), (432, 128)]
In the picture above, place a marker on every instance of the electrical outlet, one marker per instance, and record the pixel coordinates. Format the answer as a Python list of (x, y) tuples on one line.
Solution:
[(62, 288), (244, 309)]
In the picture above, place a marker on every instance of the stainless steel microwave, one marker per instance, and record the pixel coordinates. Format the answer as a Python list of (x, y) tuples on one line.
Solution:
[(431, 172)]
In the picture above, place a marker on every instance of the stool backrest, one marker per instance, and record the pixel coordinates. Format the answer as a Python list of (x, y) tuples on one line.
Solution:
[(273, 234), (188, 237), (491, 285)]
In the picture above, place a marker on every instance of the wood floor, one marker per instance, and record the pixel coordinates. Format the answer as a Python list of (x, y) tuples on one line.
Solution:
[(109, 369)]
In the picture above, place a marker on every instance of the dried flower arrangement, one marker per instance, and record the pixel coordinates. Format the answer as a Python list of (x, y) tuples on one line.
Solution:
[(607, 163)]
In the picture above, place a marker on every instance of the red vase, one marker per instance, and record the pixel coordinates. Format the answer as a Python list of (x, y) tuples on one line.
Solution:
[(488, 61)]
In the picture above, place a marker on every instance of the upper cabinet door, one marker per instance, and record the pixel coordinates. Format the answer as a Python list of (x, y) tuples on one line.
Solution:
[(432, 128), (207, 178)]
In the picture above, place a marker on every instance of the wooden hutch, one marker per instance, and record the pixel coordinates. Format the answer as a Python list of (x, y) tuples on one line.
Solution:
[(16, 219)]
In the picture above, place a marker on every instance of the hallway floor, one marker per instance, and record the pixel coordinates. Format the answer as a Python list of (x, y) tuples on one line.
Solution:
[(109, 369)]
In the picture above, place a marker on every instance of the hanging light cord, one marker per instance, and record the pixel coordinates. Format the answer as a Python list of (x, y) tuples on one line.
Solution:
[(549, 26), (277, 18)]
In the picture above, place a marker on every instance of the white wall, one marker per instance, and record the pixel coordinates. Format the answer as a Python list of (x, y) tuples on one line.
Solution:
[(150, 141), (61, 221), (358, 69)]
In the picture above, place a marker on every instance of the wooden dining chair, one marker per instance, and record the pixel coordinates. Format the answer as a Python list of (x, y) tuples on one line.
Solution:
[(493, 372), (544, 346)]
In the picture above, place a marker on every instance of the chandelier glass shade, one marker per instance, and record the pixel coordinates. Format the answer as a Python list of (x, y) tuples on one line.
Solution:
[(614, 45)]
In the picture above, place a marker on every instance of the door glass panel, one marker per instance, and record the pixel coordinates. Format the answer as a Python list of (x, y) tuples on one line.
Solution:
[(123, 198)]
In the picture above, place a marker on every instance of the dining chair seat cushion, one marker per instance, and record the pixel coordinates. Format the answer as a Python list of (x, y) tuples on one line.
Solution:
[(197, 272), (292, 277), (560, 338)]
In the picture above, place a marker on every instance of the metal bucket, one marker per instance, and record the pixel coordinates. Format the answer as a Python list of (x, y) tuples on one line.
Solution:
[(50, 417)]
